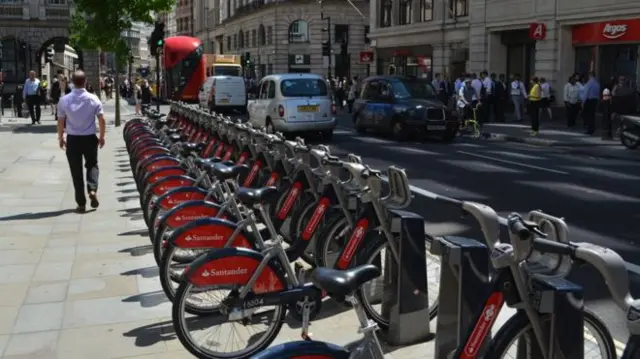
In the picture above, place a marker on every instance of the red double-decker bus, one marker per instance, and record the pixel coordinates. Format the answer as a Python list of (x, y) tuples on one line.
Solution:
[(184, 66)]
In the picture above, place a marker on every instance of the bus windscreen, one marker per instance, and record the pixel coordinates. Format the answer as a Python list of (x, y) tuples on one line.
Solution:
[(227, 70)]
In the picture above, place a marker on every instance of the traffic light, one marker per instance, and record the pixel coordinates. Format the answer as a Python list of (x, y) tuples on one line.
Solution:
[(247, 58), (48, 56), (326, 48), (156, 40)]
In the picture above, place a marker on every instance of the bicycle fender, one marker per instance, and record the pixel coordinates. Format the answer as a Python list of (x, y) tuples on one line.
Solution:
[(162, 172), (160, 161), (140, 165), (148, 151), (188, 211), (235, 266), (176, 194), (304, 349)]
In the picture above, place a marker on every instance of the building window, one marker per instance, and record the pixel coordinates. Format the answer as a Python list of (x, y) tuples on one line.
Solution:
[(385, 14), (246, 39), (52, 2), (367, 29), (241, 40), (235, 42), (341, 33), (426, 10), (228, 43), (254, 40), (298, 31), (270, 35), (262, 37), (228, 8), (459, 8), (406, 12)]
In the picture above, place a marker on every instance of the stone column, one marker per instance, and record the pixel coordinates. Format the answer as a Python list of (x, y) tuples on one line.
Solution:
[(441, 59), (395, 12), (92, 68)]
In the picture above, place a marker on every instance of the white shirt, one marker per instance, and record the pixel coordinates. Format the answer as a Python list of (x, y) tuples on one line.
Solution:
[(571, 93), (488, 85), (477, 84), (79, 109), (545, 90), (436, 84), (517, 89)]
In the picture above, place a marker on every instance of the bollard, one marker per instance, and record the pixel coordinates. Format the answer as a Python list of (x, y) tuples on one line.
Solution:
[(405, 298), (464, 271)]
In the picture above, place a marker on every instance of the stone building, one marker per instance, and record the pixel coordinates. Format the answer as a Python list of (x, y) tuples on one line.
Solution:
[(27, 28), (547, 38), (286, 36)]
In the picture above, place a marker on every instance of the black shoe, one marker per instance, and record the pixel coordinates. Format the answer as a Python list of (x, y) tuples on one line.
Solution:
[(81, 209), (93, 200)]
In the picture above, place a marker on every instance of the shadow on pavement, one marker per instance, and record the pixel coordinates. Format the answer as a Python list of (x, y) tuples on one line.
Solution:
[(147, 272), (36, 129), (329, 309), (148, 300), (36, 215), (127, 191), (138, 251), (137, 232), (151, 334), (127, 198), (123, 184)]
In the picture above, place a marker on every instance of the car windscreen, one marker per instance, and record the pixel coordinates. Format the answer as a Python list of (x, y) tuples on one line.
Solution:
[(304, 88), (413, 89)]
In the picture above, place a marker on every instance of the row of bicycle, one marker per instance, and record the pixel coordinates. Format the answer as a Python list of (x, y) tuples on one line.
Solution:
[(230, 208)]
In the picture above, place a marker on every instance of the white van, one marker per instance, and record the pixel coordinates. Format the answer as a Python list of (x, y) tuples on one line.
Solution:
[(223, 93)]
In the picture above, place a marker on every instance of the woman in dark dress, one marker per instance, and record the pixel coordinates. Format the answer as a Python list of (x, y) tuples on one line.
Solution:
[(55, 95)]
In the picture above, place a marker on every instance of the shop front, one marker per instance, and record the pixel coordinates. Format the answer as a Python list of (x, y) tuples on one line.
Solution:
[(411, 61), (609, 48)]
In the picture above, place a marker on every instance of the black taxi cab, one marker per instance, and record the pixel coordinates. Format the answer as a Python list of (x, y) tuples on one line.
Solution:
[(400, 106)]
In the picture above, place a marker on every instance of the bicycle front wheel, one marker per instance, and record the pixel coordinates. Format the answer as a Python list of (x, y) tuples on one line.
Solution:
[(516, 339)]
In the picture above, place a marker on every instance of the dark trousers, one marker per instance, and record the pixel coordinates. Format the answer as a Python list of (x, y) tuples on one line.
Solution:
[(573, 109), (498, 110), (589, 115), (350, 105), (607, 119), (79, 147), (33, 103), (534, 113)]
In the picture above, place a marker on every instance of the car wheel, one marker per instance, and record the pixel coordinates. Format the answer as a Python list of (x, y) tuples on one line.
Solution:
[(357, 124), (327, 135), (397, 129)]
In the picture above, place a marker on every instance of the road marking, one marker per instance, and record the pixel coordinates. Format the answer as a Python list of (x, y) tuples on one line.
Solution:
[(633, 268), (515, 163)]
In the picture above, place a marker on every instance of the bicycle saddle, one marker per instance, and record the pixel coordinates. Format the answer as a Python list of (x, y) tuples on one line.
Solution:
[(343, 282), (171, 131), (189, 147), (225, 172), (175, 137), (251, 196)]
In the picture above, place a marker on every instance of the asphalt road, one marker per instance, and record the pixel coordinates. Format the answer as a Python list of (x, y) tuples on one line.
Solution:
[(599, 198)]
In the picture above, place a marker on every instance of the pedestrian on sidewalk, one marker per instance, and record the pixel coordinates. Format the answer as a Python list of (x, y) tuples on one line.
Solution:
[(500, 97), (353, 89), (31, 93), (518, 96), (56, 93), (572, 100), (545, 100), (77, 113), (590, 98), (535, 96), (137, 92), (623, 102)]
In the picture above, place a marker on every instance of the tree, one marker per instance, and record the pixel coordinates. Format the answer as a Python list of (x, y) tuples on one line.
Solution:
[(98, 25)]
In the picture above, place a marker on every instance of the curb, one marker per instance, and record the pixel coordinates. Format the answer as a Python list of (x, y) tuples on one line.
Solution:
[(580, 149)]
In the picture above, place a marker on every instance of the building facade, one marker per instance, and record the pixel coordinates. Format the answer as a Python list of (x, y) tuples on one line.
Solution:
[(27, 28), (547, 38), (287, 36)]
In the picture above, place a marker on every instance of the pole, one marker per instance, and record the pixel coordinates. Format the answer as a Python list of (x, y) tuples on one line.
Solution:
[(330, 44), (117, 89), (157, 81)]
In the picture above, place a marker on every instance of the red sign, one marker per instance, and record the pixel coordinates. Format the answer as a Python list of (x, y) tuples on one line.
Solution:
[(366, 57), (537, 31), (607, 31)]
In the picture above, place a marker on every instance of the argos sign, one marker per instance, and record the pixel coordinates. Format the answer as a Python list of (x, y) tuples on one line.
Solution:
[(607, 32)]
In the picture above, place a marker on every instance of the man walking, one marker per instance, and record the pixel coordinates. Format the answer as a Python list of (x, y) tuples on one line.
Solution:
[(31, 93), (590, 97), (77, 113)]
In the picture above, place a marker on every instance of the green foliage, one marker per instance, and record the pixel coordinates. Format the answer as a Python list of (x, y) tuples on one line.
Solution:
[(99, 24)]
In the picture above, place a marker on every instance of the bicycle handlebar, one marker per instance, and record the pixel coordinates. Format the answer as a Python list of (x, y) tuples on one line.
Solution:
[(486, 217)]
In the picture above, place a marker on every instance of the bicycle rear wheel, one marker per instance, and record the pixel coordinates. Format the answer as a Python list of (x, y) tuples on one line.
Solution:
[(515, 339)]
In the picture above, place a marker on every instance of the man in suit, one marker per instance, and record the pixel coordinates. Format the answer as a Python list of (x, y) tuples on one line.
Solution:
[(500, 96)]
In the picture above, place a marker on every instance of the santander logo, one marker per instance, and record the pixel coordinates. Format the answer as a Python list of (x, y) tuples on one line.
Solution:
[(195, 237), (224, 272), (614, 31)]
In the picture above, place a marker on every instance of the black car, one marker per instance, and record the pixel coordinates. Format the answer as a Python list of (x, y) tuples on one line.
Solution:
[(401, 105)]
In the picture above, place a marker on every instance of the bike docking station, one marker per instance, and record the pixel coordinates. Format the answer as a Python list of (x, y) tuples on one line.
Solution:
[(405, 294), (465, 279)]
